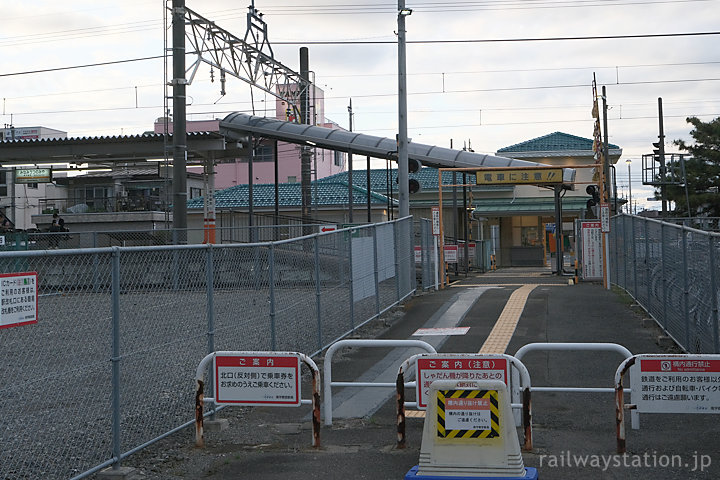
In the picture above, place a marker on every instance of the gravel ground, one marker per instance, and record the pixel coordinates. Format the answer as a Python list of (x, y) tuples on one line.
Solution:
[(251, 431)]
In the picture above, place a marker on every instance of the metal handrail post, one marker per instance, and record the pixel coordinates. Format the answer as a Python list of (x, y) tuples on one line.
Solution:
[(327, 366)]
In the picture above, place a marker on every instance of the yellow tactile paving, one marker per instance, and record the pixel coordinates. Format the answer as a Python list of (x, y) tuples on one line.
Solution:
[(502, 332), (504, 328)]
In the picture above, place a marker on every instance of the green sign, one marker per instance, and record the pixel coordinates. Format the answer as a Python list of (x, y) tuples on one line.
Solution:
[(33, 175)]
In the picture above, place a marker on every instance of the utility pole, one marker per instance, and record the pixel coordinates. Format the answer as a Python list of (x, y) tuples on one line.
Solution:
[(606, 160), (179, 122), (305, 155), (402, 161)]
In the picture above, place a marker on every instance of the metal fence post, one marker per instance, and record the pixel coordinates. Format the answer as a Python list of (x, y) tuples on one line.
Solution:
[(647, 263), (318, 305), (425, 254), (397, 259), (625, 253), (616, 265), (377, 274), (714, 293), (271, 275), (634, 255), (686, 290), (210, 311), (115, 359), (350, 283), (663, 253)]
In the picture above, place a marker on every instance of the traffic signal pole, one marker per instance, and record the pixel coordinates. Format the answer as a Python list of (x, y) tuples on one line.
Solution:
[(661, 154)]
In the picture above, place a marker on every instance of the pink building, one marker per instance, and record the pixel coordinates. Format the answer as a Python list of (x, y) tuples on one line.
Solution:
[(228, 174)]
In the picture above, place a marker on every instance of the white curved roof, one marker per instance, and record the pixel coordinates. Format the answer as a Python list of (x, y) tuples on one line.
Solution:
[(238, 125)]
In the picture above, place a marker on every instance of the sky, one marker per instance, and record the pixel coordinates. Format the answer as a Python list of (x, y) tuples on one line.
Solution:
[(509, 75)]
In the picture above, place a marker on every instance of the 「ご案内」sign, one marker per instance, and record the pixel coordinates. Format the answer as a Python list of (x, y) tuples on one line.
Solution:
[(682, 384), (18, 299), (266, 379), (431, 368), (591, 237)]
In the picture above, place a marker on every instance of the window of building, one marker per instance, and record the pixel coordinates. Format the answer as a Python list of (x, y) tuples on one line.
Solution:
[(3, 183), (195, 192), (339, 159), (292, 179), (263, 153)]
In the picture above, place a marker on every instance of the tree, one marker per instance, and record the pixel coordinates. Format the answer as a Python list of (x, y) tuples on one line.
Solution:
[(702, 171)]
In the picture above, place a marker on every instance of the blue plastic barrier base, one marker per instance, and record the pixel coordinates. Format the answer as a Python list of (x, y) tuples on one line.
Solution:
[(530, 474)]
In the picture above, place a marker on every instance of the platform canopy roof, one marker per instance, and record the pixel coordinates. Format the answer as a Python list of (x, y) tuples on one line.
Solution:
[(239, 125), (106, 151)]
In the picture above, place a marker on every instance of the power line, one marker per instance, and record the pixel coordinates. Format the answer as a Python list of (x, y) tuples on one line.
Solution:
[(87, 65), (376, 8), (499, 40), (535, 87), (520, 70)]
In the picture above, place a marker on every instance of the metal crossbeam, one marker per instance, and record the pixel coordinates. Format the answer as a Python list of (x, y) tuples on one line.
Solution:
[(253, 63)]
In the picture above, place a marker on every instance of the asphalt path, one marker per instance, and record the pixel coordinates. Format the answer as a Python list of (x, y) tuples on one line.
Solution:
[(574, 434)]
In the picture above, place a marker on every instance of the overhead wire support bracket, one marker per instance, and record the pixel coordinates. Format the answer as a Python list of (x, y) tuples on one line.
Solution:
[(253, 63)]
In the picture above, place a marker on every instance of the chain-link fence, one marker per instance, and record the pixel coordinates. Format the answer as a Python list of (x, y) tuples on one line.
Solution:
[(108, 366), (425, 254), (141, 238), (672, 271)]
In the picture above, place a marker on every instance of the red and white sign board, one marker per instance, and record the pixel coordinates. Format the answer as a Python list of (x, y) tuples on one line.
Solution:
[(591, 250), (264, 379), (682, 384), (18, 299), (605, 217), (327, 228), (451, 253), (457, 367), (467, 414), (418, 254), (435, 220)]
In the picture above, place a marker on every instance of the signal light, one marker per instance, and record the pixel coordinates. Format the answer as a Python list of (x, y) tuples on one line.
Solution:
[(414, 165), (594, 193), (414, 185)]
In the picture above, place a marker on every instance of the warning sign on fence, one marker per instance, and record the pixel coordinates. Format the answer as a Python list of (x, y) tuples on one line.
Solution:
[(683, 384), (18, 299), (266, 379)]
